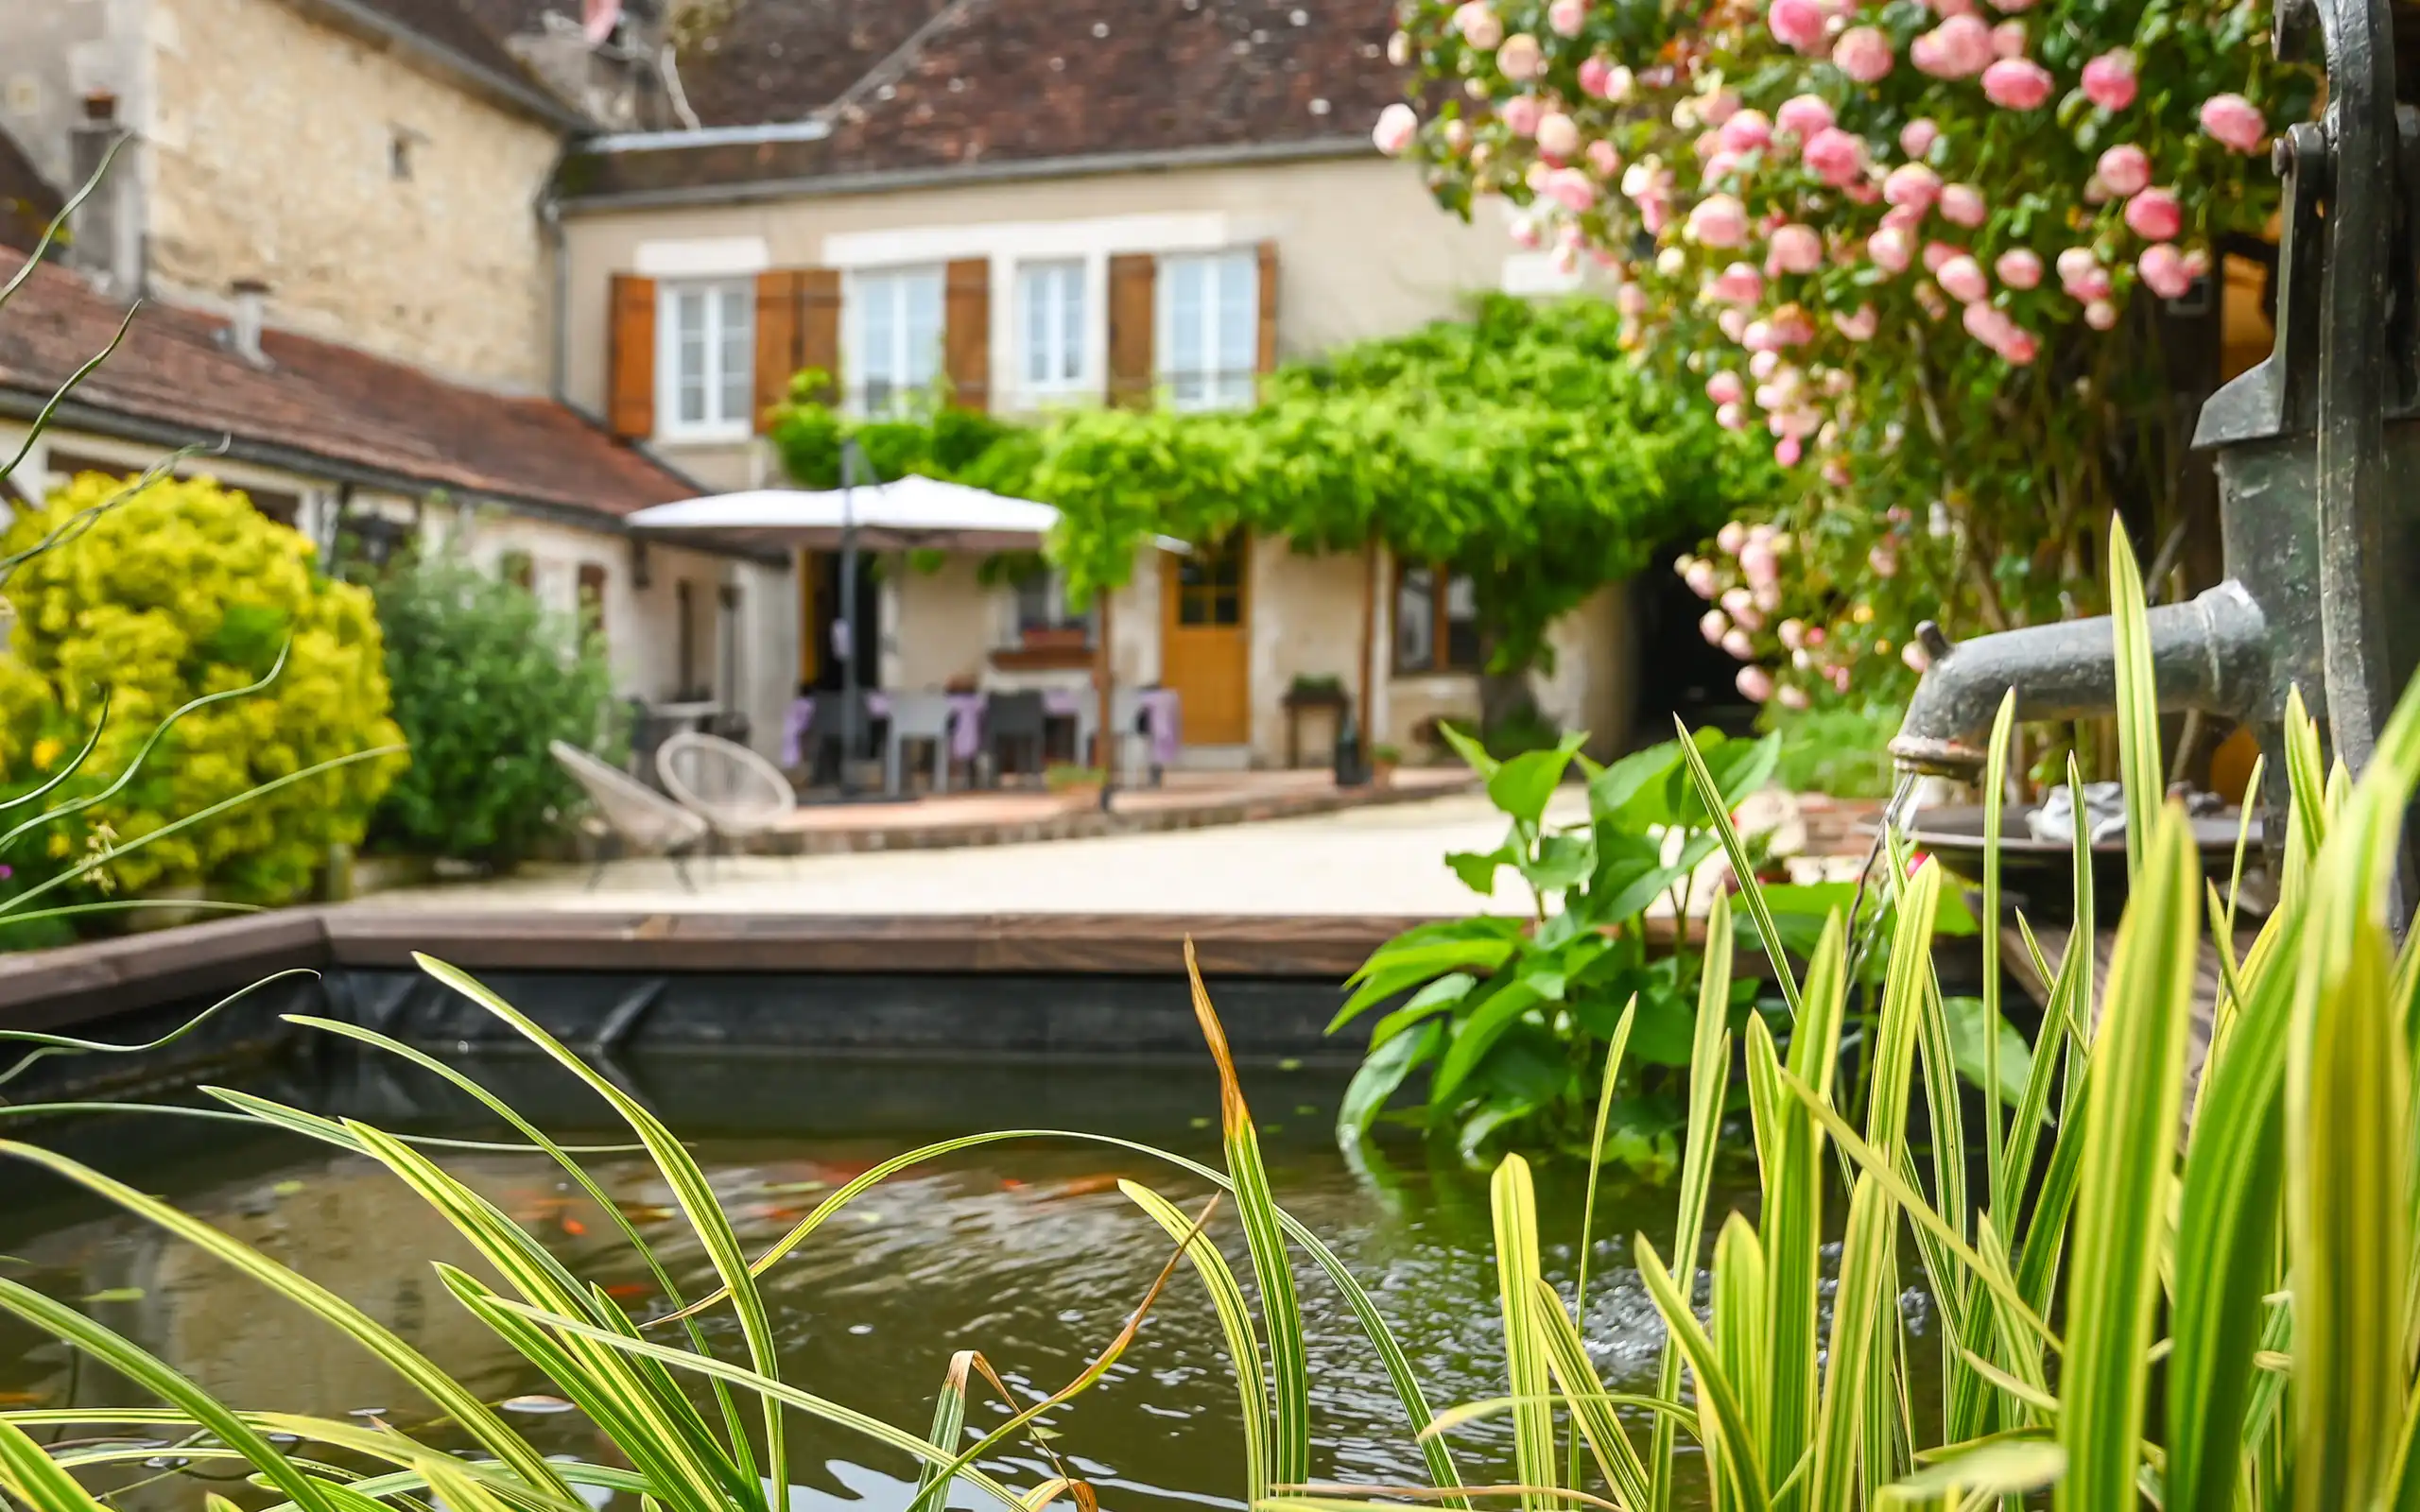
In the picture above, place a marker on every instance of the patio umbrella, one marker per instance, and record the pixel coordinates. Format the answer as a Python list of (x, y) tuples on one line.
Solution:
[(906, 513)]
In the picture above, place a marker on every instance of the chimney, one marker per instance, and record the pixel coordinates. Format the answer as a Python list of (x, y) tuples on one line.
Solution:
[(244, 328), (101, 233)]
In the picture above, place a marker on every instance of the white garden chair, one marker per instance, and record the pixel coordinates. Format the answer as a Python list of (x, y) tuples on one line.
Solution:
[(630, 813), (917, 716), (736, 792)]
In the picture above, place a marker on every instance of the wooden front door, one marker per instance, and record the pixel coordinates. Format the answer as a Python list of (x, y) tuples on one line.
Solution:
[(1204, 640)]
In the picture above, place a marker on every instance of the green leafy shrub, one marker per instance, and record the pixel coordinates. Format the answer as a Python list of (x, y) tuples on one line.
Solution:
[(182, 590), (484, 675), (1839, 750)]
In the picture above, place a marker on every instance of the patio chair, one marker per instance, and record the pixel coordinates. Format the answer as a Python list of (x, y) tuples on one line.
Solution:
[(1013, 721), (735, 791), (631, 814), (825, 734), (917, 716)]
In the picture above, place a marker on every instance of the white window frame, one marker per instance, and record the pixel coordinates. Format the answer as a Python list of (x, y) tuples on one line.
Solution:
[(1230, 376), (717, 423), (865, 285), (1054, 284)]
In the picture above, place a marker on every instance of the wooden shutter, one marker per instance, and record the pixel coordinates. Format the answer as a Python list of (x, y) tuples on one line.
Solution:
[(630, 357), (1267, 359), (966, 331), (798, 327), (1134, 277)]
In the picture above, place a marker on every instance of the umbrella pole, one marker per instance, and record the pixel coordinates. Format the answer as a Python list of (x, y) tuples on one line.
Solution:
[(848, 615)]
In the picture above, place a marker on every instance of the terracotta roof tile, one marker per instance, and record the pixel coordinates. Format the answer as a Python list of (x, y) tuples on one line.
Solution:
[(324, 401), (1007, 81)]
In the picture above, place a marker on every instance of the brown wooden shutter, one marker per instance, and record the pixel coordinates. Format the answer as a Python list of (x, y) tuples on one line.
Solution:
[(798, 326), (966, 331), (1134, 277), (1267, 355), (630, 357)]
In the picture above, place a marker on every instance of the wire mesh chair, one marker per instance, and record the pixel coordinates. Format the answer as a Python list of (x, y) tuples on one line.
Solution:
[(736, 792), (631, 814)]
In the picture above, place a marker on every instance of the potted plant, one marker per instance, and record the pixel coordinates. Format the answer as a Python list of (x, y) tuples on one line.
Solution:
[(1079, 787), (1383, 761)]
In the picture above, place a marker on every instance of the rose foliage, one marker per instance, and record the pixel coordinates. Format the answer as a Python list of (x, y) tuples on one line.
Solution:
[(1918, 245), (1521, 446)]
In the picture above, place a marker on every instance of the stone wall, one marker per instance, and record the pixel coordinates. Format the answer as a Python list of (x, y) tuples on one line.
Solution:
[(385, 207)]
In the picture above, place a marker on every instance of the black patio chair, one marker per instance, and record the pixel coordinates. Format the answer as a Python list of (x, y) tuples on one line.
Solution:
[(1014, 722)]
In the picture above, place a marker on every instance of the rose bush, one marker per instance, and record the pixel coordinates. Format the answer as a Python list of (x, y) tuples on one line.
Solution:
[(1841, 219)]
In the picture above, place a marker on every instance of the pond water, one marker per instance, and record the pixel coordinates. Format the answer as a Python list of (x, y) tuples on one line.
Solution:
[(1025, 1252)]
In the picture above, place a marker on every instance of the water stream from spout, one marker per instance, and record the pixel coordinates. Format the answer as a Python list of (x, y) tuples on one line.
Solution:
[(1893, 817)]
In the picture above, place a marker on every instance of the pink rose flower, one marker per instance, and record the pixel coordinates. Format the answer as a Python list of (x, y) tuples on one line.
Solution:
[(1525, 234), (1859, 325), (1521, 58), (1791, 696), (2075, 262), (1795, 248), (1885, 563), (2164, 272), (1917, 137), (1890, 250), (1865, 54), (1718, 106), (1558, 134), (1594, 74), (1480, 24), (1738, 643), (1718, 220), (1565, 17), (2018, 348), (2008, 39), (2109, 79), (1938, 253), (2124, 169), (1603, 159), (1730, 417), (1458, 136), (2017, 84), (1836, 156), (1572, 189), (1757, 337), (2018, 267), (1521, 115), (1757, 560), (1914, 654), (1805, 116), (1796, 23), (1986, 324), (1397, 125), (1713, 625), (2155, 215), (1793, 326), (1736, 600), (1912, 185), (1961, 204), (2100, 315), (1701, 579), (1764, 365), (1962, 277), (1788, 450), (2235, 122), (1839, 676), (1631, 301), (1747, 130), (1959, 47), (1724, 387), (1755, 683)]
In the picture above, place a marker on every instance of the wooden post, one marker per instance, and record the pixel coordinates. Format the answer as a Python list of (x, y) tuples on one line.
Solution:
[(1104, 738), (1369, 651)]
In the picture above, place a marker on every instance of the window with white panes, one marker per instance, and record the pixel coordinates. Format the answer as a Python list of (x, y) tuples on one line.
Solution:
[(705, 359), (1209, 343), (1051, 328), (895, 336)]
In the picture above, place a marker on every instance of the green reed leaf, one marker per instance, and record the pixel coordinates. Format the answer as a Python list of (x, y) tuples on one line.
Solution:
[(1592, 1408), (1734, 1453), (1513, 1206), (1743, 869), (1614, 1051), (2137, 699), (1235, 1322), (33, 1478), (1994, 811)]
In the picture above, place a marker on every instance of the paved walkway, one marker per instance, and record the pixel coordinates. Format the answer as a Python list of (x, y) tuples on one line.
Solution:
[(1383, 860)]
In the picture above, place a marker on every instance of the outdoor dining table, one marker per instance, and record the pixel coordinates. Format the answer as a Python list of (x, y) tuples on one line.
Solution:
[(1158, 707)]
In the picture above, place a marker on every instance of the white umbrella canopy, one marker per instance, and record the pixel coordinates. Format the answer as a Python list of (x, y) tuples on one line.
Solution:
[(907, 513)]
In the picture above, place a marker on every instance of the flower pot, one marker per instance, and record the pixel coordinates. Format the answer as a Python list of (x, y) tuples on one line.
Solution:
[(1382, 774)]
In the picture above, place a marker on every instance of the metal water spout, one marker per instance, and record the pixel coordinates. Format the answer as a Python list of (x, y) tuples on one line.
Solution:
[(2318, 457)]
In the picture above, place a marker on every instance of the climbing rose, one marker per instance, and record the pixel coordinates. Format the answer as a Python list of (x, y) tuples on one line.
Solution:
[(1795, 248), (1730, 417), (1701, 579), (1962, 204), (1525, 234), (2155, 215), (1738, 284), (1713, 624), (1479, 24), (1986, 324), (2124, 169), (1521, 115), (2008, 39), (1735, 642), (2109, 79), (1521, 58), (1718, 106), (1746, 132), (1959, 47), (2235, 121), (1962, 279), (1804, 115), (2018, 267), (1860, 326), (1917, 137), (1604, 157), (1788, 450), (1756, 684), (1724, 387), (2164, 270), (1884, 561), (1718, 220), (1396, 126), (2016, 84), (1936, 253), (1791, 696), (1912, 185), (1565, 17), (1917, 658), (1865, 54), (1796, 23), (1836, 156), (2100, 315), (1792, 633), (1558, 134), (1890, 249)]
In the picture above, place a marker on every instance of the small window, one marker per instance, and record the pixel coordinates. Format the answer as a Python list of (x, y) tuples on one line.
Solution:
[(1051, 329), (1433, 636), (1210, 585), (591, 597), (705, 360), (1210, 329), (896, 349), (1042, 609), (519, 569)]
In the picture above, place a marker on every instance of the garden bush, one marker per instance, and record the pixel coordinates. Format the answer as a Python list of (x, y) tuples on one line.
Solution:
[(484, 675), (182, 590)]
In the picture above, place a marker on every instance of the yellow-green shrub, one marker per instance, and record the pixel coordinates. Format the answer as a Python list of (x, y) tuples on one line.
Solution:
[(183, 589)]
